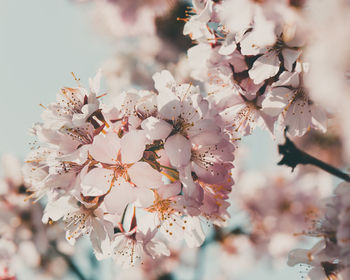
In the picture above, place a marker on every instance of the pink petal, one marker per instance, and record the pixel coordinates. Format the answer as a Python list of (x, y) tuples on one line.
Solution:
[(155, 128), (119, 197), (191, 189), (143, 175), (178, 149), (105, 148), (145, 197), (169, 190), (132, 146), (264, 67), (96, 182)]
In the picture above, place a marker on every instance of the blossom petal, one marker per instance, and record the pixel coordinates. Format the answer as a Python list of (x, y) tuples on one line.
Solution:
[(264, 67), (276, 100), (119, 197), (289, 57), (143, 175), (178, 149), (96, 182), (132, 146), (105, 148), (155, 128)]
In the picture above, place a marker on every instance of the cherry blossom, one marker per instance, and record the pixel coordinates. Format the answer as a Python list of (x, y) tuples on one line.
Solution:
[(289, 98)]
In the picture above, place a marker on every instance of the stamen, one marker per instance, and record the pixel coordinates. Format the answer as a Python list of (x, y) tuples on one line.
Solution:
[(75, 78)]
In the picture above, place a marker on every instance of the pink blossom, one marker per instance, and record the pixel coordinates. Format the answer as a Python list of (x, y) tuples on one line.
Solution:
[(289, 98)]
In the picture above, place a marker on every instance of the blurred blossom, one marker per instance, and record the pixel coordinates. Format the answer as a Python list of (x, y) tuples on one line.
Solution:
[(280, 205), (25, 242), (329, 258), (237, 249), (136, 59), (329, 56), (124, 18)]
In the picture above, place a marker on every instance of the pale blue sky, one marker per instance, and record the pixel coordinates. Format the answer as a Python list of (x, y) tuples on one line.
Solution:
[(42, 42)]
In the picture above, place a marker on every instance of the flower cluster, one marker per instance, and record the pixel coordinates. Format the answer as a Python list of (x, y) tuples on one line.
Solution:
[(135, 173), (249, 55), (329, 258)]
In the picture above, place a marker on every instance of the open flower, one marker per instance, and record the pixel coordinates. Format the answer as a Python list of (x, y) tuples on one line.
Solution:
[(131, 245), (288, 97)]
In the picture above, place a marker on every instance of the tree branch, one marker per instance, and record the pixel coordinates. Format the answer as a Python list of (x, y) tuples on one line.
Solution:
[(292, 156)]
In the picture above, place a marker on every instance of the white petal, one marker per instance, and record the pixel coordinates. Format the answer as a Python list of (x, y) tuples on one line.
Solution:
[(289, 57), (157, 249), (155, 128), (95, 82), (318, 273), (194, 235), (265, 67), (145, 197), (169, 190), (288, 79), (163, 80), (229, 45), (100, 237), (298, 118), (276, 100), (56, 209), (319, 117), (191, 189)]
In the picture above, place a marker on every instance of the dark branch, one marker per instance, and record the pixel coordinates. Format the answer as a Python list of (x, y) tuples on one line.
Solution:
[(292, 156)]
